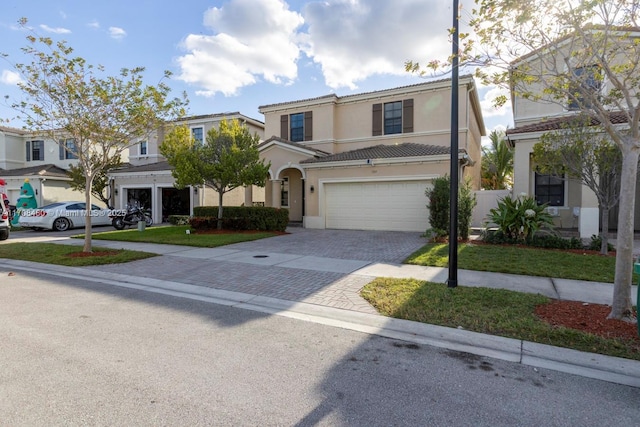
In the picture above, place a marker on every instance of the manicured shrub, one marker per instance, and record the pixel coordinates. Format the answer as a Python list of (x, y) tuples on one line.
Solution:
[(241, 218), (178, 219), (438, 206)]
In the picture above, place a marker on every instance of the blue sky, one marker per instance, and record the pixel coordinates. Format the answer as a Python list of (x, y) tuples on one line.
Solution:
[(235, 55)]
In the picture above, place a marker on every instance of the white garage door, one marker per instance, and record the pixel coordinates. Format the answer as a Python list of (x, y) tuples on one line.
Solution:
[(386, 205)]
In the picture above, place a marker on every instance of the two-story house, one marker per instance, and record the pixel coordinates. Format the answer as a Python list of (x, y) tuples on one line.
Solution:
[(147, 179), (26, 155), (364, 161), (572, 204)]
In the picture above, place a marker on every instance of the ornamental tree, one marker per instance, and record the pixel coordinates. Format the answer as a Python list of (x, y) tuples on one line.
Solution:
[(497, 163), (581, 54), (582, 151), (227, 159), (67, 98)]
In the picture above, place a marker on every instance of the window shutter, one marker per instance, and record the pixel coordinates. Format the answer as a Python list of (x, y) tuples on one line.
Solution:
[(61, 149), (28, 151), (284, 126), (407, 116), (377, 120), (308, 125)]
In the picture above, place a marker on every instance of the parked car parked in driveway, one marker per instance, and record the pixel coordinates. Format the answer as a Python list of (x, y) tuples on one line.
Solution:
[(62, 216), (5, 226)]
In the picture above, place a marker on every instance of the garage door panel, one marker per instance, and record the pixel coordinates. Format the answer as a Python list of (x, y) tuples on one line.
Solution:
[(395, 205)]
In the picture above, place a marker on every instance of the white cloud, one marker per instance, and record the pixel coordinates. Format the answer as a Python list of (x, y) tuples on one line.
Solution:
[(252, 39), (117, 33), (93, 24), (57, 30), (354, 39), (10, 77), (487, 102)]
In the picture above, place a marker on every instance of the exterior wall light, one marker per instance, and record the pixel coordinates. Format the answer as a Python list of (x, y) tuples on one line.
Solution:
[(311, 189)]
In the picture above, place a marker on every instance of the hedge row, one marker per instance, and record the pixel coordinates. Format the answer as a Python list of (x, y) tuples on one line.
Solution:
[(240, 218)]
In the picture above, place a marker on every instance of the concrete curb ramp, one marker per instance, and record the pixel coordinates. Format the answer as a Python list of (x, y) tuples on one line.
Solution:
[(605, 368)]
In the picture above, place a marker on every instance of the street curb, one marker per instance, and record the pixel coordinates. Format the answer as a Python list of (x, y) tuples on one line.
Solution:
[(590, 365)]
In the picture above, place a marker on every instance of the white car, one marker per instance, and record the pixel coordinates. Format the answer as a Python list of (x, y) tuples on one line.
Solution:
[(62, 216)]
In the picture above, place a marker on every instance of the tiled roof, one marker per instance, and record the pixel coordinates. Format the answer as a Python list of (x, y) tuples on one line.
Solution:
[(331, 95), (150, 167), (48, 170), (384, 152), (617, 117), (293, 144), (12, 130), (216, 116)]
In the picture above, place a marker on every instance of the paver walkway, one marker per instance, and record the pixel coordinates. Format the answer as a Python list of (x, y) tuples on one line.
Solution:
[(313, 266)]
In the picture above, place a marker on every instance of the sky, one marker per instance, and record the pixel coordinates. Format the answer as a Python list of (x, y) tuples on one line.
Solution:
[(236, 55)]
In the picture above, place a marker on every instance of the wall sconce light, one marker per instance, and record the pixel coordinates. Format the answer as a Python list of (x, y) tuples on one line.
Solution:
[(195, 190), (116, 191), (311, 189)]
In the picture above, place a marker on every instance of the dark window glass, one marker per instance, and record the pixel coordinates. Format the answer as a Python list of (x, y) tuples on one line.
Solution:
[(587, 76), (198, 134), (393, 117), (549, 189), (297, 127), (71, 150), (37, 150)]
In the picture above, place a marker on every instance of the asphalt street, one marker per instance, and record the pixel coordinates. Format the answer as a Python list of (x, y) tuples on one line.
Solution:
[(75, 352)]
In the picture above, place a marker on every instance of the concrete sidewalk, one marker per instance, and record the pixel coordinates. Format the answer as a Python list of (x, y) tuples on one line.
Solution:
[(326, 290)]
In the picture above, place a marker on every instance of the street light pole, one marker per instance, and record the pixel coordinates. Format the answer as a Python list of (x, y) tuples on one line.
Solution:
[(452, 281)]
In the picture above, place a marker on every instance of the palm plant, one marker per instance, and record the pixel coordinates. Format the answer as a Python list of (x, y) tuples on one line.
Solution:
[(497, 163)]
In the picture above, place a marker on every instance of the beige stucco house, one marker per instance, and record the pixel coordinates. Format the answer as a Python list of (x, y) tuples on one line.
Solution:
[(26, 155), (572, 204), (364, 161), (147, 178)]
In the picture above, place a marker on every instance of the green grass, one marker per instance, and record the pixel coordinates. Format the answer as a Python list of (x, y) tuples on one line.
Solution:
[(491, 311), (176, 235), (52, 253), (520, 260)]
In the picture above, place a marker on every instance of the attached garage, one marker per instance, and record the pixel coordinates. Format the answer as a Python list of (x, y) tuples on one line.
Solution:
[(377, 205)]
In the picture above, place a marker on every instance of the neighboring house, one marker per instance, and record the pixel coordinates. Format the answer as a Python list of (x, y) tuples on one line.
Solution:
[(147, 178), (364, 161), (25, 155), (572, 204)]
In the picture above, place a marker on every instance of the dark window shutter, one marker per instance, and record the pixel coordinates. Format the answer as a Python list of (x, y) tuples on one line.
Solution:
[(308, 125), (28, 151), (61, 149), (377, 119), (407, 116), (284, 126)]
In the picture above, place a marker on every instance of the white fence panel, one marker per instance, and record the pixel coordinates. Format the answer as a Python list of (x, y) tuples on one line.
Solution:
[(487, 200)]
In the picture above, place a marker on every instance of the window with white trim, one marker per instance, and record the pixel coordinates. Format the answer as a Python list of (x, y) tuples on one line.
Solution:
[(142, 148), (198, 134), (35, 150)]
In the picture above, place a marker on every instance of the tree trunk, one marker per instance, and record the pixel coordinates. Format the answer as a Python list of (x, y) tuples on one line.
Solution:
[(87, 223), (220, 194), (621, 304), (604, 232)]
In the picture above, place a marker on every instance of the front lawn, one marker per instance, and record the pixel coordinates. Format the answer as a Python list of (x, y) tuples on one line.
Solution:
[(520, 260), (491, 311), (177, 235), (69, 255)]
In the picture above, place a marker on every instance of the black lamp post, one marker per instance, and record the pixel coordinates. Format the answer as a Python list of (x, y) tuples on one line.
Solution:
[(452, 281)]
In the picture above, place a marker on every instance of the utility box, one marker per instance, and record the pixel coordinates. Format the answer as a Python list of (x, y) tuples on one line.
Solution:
[(141, 225)]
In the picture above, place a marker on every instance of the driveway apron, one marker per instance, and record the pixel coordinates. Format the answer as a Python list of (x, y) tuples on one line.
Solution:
[(312, 266)]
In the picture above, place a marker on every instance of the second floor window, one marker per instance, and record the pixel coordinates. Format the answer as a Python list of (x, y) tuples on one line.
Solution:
[(297, 127), (68, 149), (549, 189), (393, 117), (35, 150), (589, 82), (142, 148), (198, 134)]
